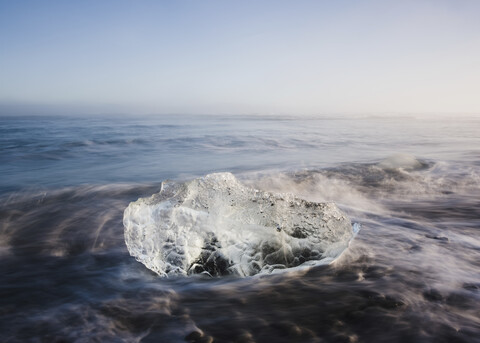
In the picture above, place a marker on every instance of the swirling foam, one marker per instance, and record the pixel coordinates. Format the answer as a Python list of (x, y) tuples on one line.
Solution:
[(217, 226)]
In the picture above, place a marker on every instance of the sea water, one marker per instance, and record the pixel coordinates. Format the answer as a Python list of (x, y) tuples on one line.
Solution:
[(412, 273)]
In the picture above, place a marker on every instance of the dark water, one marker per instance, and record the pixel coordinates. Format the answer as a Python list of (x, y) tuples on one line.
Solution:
[(411, 275)]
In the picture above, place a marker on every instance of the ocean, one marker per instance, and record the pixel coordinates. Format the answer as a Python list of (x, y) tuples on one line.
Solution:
[(411, 274)]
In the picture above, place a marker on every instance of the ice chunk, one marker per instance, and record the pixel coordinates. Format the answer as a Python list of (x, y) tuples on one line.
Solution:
[(216, 225)]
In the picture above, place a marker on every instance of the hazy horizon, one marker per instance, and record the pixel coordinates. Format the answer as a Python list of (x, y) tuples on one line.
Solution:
[(213, 57), (92, 110)]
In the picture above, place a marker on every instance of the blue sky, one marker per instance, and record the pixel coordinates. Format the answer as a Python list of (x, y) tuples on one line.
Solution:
[(285, 57)]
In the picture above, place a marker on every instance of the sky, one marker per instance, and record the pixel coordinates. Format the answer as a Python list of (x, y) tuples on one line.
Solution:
[(240, 57)]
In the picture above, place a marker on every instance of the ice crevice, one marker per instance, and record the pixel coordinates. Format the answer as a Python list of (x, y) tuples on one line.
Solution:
[(215, 225)]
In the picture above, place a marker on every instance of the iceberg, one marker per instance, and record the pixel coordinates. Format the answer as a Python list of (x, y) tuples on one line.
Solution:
[(215, 225)]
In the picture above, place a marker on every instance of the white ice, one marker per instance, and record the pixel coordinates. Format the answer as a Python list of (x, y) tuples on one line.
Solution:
[(217, 226)]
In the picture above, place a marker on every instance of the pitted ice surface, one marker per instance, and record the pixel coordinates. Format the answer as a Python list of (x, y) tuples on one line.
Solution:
[(217, 226)]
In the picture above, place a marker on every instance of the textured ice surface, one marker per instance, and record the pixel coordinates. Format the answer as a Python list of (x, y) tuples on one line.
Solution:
[(216, 225)]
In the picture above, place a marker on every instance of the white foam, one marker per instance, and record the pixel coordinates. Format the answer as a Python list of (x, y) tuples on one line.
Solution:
[(218, 226), (400, 160)]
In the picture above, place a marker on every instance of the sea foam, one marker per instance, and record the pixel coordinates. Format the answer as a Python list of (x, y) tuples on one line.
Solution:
[(215, 225)]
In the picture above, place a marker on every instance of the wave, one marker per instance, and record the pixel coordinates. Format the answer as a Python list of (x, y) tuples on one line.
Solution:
[(67, 221), (214, 225), (398, 178)]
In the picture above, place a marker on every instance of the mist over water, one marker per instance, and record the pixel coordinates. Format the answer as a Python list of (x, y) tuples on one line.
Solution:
[(411, 274)]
